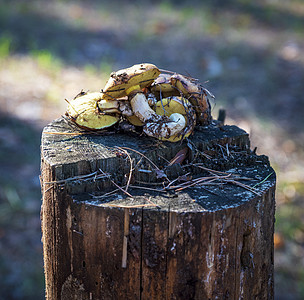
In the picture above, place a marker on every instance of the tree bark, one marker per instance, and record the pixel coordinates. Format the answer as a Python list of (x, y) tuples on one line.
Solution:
[(200, 242)]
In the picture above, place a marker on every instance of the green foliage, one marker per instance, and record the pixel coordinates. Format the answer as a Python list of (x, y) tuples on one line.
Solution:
[(5, 46), (46, 60), (106, 67), (289, 220)]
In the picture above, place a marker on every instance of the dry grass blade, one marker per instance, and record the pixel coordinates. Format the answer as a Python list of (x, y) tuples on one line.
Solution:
[(63, 133), (247, 187), (192, 184), (198, 152), (147, 188), (200, 181), (176, 179), (149, 160), (189, 183), (171, 72), (106, 194), (198, 165), (131, 206), (149, 200), (81, 177), (263, 180), (131, 166), (120, 188)]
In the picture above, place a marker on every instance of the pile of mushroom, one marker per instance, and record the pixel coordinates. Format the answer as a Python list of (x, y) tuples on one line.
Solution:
[(167, 105)]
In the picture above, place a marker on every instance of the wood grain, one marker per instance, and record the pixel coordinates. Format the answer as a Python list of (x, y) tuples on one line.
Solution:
[(201, 243)]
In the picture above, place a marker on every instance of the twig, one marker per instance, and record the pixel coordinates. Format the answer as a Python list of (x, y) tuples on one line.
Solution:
[(52, 186)]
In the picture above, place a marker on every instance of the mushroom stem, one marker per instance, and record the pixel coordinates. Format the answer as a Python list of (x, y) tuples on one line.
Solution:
[(142, 109), (156, 125), (125, 108), (173, 126)]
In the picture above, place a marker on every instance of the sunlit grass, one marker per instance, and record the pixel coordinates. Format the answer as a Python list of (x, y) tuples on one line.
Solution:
[(46, 60), (5, 46)]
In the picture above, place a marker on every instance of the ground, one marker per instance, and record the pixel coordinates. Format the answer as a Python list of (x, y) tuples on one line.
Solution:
[(249, 54)]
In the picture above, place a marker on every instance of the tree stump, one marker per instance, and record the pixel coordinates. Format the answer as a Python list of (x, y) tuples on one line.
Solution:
[(121, 220)]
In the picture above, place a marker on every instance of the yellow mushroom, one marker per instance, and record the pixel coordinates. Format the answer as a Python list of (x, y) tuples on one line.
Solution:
[(163, 88), (131, 81), (169, 107), (125, 81), (184, 85), (92, 112), (135, 121), (157, 125), (167, 85), (196, 95)]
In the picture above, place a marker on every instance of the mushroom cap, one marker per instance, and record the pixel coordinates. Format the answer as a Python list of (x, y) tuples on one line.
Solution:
[(135, 121), (202, 108), (169, 106), (162, 87), (121, 82), (185, 85), (86, 113)]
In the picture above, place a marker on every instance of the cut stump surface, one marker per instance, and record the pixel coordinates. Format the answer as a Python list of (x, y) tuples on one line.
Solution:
[(120, 221)]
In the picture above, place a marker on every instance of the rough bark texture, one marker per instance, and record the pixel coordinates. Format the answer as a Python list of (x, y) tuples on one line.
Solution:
[(199, 243)]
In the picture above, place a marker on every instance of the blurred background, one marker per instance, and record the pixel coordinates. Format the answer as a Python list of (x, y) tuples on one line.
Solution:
[(249, 54)]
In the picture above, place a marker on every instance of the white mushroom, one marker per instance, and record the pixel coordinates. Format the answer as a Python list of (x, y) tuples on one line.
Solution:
[(142, 109), (167, 129), (172, 105), (156, 125)]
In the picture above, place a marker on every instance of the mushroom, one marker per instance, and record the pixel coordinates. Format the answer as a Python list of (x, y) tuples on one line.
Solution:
[(156, 125), (131, 82), (90, 111), (162, 87), (174, 107), (196, 94), (132, 92), (134, 119), (166, 85), (124, 82)]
